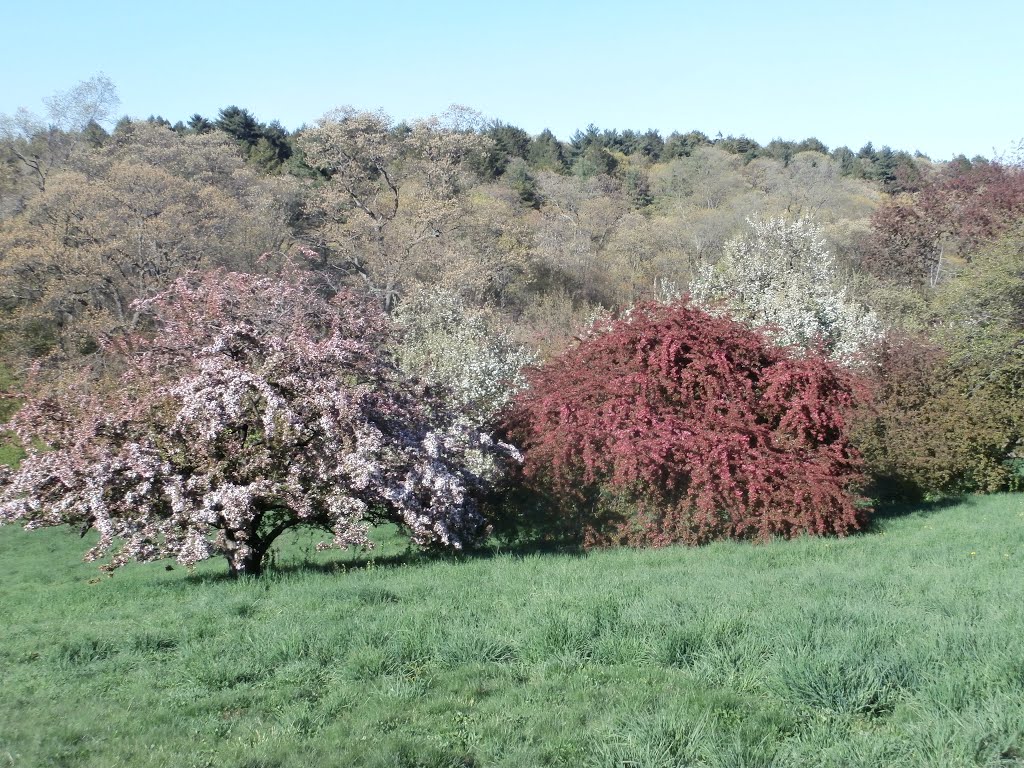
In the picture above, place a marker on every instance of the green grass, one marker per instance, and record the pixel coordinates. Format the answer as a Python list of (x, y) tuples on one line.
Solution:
[(903, 647)]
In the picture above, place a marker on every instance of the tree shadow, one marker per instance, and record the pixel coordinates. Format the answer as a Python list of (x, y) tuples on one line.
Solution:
[(525, 536), (368, 560), (892, 510)]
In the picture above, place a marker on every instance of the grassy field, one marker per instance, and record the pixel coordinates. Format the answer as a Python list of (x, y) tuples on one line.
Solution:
[(902, 647)]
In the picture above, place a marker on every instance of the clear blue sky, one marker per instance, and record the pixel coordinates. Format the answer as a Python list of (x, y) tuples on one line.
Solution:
[(938, 76)]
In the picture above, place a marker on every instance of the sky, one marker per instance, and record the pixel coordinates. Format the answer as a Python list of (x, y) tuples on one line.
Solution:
[(938, 76)]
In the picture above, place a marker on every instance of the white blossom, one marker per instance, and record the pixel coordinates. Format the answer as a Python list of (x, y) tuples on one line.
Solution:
[(457, 347), (258, 406), (783, 278)]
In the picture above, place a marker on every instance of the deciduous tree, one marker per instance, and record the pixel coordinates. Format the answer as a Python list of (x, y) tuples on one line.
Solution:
[(783, 278), (918, 236), (44, 144), (391, 195), (256, 406), (146, 208)]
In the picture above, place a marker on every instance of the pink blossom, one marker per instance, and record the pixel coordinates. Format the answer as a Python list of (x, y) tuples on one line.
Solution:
[(256, 406)]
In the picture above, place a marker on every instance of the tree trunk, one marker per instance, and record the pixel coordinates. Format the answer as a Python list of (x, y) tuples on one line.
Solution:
[(250, 565), (258, 546)]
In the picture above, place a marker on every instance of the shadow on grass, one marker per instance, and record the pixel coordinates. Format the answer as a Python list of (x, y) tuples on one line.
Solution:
[(532, 541), (368, 560), (891, 510)]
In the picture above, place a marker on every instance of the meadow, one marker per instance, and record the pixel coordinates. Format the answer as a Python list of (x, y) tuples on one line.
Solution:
[(903, 646)]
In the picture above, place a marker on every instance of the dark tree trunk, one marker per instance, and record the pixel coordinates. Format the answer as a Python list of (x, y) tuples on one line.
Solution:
[(258, 544), (250, 565)]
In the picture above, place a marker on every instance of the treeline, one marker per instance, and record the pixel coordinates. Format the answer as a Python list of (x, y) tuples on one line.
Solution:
[(530, 235), (270, 147)]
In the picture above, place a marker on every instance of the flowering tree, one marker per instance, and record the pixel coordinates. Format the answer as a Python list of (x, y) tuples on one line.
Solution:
[(675, 425), (783, 278), (256, 406), (453, 345)]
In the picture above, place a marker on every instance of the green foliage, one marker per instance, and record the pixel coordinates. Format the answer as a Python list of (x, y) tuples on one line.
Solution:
[(518, 176), (94, 134), (950, 412), (747, 148), (11, 453), (928, 433), (980, 316), (637, 188), (239, 124), (9, 403), (508, 143), (265, 146), (683, 145), (546, 152), (199, 124), (901, 648), (593, 161)]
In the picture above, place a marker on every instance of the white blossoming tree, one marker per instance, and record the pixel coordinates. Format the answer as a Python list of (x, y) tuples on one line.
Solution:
[(460, 348), (255, 406), (783, 277)]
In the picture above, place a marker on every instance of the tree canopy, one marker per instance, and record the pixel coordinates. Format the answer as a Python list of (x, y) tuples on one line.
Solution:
[(255, 406)]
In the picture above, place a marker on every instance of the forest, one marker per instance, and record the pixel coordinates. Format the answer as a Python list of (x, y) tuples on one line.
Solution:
[(435, 443), (457, 276)]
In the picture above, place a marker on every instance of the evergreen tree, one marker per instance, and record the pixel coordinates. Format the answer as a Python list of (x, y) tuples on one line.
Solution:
[(595, 160), (742, 145), (683, 144), (812, 145), (94, 134), (582, 140), (508, 142), (848, 165), (517, 174), (638, 188), (199, 124), (240, 125), (781, 150), (546, 153)]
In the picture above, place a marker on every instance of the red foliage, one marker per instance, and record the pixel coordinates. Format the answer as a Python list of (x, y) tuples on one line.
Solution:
[(703, 427), (956, 212)]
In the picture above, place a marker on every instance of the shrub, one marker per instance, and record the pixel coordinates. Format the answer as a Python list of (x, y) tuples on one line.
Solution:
[(949, 411), (673, 425), (927, 431), (980, 320), (256, 406)]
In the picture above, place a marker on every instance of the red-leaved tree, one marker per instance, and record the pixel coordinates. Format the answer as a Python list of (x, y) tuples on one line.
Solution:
[(954, 214), (256, 405), (671, 425)]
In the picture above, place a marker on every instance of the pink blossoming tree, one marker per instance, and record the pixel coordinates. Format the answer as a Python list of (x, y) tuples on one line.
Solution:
[(256, 405)]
